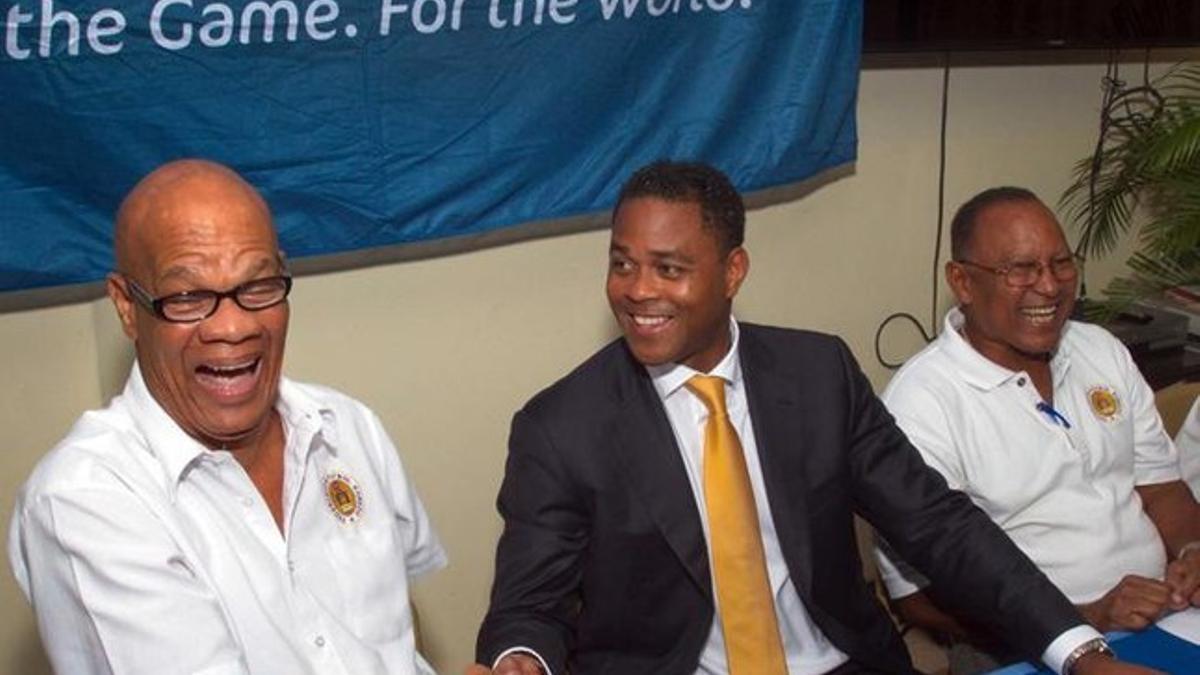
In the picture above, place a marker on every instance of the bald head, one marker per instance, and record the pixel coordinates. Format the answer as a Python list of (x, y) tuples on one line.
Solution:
[(179, 197), (189, 231)]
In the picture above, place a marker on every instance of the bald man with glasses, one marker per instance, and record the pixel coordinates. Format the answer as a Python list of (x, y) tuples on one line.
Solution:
[(1048, 426), (217, 517)]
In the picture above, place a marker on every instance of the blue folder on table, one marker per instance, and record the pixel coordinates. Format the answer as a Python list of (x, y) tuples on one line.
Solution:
[(1159, 649), (1153, 647)]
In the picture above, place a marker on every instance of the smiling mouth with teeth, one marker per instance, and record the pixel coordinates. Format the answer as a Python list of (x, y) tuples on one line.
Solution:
[(230, 383), (649, 321), (229, 371), (1040, 315)]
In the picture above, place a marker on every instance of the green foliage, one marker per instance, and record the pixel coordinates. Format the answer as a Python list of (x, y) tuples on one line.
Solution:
[(1148, 162)]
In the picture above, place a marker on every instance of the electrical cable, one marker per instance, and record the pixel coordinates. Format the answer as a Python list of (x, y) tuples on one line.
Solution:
[(941, 201), (879, 333), (1108, 84), (937, 244)]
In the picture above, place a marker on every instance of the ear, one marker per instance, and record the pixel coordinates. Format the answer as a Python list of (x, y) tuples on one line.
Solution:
[(959, 282), (119, 295), (737, 266)]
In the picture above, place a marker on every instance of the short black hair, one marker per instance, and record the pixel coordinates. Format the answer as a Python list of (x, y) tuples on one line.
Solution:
[(721, 207), (962, 228)]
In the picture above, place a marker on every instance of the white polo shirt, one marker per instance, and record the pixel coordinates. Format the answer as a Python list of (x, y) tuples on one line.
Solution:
[(1188, 442), (144, 552), (1060, 482)]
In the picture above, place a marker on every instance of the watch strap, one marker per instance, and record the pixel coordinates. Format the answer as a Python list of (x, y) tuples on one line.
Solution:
[(1095, 645)]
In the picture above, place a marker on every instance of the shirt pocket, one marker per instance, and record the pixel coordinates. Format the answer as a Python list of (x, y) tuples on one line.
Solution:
[(368, 569)]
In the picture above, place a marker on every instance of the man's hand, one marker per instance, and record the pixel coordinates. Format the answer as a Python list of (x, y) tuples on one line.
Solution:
[(1133, 604), (1183, 576), (1103, 664), (919, 610), (513, 664)]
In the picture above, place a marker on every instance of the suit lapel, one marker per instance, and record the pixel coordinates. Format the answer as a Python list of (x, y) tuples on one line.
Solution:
[(779, 431), (646, 449)]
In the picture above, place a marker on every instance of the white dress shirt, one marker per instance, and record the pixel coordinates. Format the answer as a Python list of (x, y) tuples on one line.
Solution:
[(144, 552), (808, 650), (1059, 481)]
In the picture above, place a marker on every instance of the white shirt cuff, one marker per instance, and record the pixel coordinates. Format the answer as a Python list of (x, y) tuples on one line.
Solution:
[(527, 650), (1064, 644)]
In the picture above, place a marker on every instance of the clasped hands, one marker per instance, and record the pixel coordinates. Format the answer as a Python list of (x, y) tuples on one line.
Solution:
[(1137, 602)]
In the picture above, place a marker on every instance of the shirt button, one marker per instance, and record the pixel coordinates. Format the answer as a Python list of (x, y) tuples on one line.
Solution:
[(291, 566), (1020, 382), (247, 502), (319, 641)]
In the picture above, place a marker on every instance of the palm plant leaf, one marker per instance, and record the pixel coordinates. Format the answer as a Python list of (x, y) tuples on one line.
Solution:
[(1147, 163)]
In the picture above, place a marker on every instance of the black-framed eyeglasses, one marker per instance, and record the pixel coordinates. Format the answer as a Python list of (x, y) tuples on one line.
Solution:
[(1025, 274), (192, 306)]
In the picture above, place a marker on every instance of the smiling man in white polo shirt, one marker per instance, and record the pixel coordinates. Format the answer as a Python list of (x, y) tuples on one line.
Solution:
[(1048, 426), (217, 517)]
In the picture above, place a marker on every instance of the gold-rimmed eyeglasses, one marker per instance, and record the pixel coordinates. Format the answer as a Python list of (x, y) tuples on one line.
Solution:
[(1023, 274)]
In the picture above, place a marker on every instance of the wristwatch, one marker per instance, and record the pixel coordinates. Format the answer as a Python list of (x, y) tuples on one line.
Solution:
[(1095, 645)]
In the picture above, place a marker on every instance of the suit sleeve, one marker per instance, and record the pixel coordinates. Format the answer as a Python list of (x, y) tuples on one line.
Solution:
[(973, 564), (535, 594)]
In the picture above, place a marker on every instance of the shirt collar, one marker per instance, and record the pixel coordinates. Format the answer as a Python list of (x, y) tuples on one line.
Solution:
[(177, 451), (981, 371), (669, 377)]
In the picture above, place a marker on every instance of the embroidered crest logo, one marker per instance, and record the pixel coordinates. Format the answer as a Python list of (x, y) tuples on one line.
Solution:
[(1104, 402), (343, 497)]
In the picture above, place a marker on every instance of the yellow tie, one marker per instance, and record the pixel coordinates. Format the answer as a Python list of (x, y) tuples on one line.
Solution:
[(747, 611)]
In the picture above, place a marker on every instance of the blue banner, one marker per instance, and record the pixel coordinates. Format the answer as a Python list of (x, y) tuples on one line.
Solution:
[(375, 122)]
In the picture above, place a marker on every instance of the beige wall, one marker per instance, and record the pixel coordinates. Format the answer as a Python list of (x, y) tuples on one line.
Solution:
[(446, 349), (50, 376)]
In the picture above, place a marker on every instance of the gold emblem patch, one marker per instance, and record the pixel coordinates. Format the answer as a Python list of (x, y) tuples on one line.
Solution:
[(1104, 402), (343, 497)]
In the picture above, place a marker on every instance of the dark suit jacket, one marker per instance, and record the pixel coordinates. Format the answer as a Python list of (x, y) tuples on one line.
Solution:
[(602, 566)]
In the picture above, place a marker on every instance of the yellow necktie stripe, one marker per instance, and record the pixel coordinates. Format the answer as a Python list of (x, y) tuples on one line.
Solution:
[(747, 610)]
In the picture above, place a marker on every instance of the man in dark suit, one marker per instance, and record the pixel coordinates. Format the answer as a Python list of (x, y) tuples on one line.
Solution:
[(619, 552)]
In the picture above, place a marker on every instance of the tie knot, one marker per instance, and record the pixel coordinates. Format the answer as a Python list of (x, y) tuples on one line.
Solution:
[(711, 390)]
